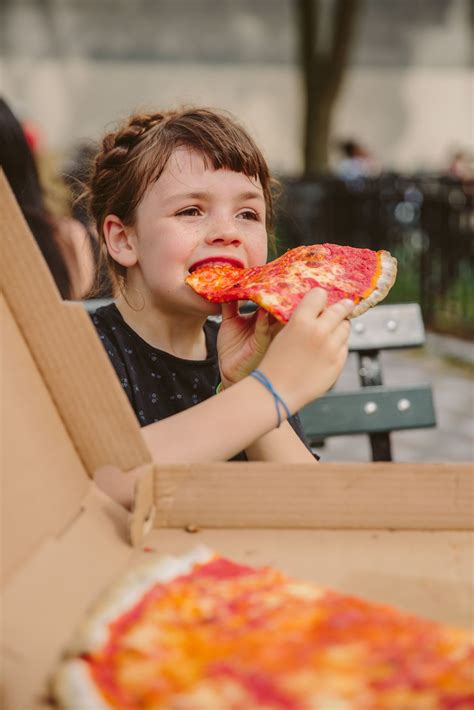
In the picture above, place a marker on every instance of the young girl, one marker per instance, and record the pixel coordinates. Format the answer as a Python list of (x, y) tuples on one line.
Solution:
[(169, 192)]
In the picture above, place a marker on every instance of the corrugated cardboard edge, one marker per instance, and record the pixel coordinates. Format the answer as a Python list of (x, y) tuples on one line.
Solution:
[(67, 351), (144, 510), (398, 496)]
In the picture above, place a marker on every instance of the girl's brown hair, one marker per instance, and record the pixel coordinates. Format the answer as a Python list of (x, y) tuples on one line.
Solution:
[(135, 155)]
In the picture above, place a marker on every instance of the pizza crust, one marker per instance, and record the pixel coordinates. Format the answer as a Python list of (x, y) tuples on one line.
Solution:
[(74, 688), (384, 284), (93, 633), (72, 684)]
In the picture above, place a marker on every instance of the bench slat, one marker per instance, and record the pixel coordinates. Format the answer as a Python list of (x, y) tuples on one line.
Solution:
[(371, 409), (387, 327)]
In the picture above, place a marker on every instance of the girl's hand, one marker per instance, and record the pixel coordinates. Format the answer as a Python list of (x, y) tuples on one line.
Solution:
[(306, 357), (242, 341)]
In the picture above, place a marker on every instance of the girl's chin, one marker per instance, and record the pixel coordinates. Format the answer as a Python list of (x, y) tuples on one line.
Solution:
[(206, 308), (212, 309)]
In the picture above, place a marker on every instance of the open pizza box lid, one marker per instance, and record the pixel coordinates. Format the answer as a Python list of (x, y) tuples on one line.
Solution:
[(397, 533)]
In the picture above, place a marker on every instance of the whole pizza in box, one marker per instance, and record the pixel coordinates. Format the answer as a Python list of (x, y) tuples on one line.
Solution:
[(205, 633), (363, 275)]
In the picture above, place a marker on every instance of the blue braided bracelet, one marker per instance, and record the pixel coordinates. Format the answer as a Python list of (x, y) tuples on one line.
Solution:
[(263, 379)]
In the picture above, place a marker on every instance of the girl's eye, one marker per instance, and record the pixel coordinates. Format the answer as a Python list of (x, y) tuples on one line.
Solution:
[(249, 214), (189, 212)]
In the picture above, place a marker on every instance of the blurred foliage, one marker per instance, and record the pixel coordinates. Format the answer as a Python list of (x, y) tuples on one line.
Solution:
[(426, 222)]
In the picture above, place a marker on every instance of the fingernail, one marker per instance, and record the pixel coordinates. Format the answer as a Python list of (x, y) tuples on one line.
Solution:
[(347, 302)]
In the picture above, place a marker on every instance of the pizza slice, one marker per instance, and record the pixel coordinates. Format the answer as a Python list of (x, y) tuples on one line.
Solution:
[(202, 632), (363, 275)]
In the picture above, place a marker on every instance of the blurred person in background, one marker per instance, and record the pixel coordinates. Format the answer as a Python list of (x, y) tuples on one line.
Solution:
[(64, 242), (460, 167), (356, 162), (75, 175)]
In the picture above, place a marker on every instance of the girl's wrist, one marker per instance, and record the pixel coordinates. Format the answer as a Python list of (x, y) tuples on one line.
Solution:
[(281, 407), (282, 410), (286, 390)]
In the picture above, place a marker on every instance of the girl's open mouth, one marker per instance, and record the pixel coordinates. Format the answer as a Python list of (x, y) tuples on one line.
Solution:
[(216, 261)]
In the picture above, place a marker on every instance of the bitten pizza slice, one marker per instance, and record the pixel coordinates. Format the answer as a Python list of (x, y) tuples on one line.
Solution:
[(203, 632), (363, 275)]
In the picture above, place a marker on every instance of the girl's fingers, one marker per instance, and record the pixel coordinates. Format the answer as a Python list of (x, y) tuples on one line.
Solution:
[(341, 333), (275, 326), (312, 304), (261, 322), (229, 310), (263, 316), (335, 314)]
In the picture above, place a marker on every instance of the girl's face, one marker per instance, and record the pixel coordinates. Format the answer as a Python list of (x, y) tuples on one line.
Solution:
[(195, 214)]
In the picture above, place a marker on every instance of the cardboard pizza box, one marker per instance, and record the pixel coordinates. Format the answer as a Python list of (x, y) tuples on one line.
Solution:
[(396, 533)]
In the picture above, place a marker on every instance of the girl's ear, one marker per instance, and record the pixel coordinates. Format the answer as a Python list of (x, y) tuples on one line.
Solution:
[(120, 241)]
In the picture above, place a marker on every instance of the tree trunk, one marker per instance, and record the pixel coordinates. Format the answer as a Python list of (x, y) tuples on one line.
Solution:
[(316, 130), (323, 72)]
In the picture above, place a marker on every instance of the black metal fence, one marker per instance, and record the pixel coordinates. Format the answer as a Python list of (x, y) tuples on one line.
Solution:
[(427, 222)]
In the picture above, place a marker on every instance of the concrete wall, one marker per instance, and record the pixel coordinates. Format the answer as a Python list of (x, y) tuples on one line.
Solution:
[(408, 94), (84, 98)]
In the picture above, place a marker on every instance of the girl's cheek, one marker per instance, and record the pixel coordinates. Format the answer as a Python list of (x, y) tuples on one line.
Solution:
[(261, 250)]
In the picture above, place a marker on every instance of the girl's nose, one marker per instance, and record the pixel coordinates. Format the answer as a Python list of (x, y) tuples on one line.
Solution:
[(224, 234)]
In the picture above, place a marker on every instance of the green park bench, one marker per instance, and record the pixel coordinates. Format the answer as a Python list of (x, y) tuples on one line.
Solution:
[(375, 409)]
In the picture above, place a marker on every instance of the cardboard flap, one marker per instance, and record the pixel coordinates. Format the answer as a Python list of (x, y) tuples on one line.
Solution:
[(43, 479), (47, 598), (67, 351), (399, 496)]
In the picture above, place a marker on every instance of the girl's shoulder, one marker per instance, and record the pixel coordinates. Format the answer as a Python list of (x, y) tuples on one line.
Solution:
[(107, 313), (108, 322)]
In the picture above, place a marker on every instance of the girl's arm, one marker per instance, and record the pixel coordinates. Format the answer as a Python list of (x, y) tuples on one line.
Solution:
[(214, 430), (302, 362), (243, 416), (242, 343), (282, 445)]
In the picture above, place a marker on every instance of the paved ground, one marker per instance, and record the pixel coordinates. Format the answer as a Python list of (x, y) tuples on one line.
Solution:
[(453, 394)]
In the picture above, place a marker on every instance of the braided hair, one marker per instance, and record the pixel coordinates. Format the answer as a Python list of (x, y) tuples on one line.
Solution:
[(135, 155)]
